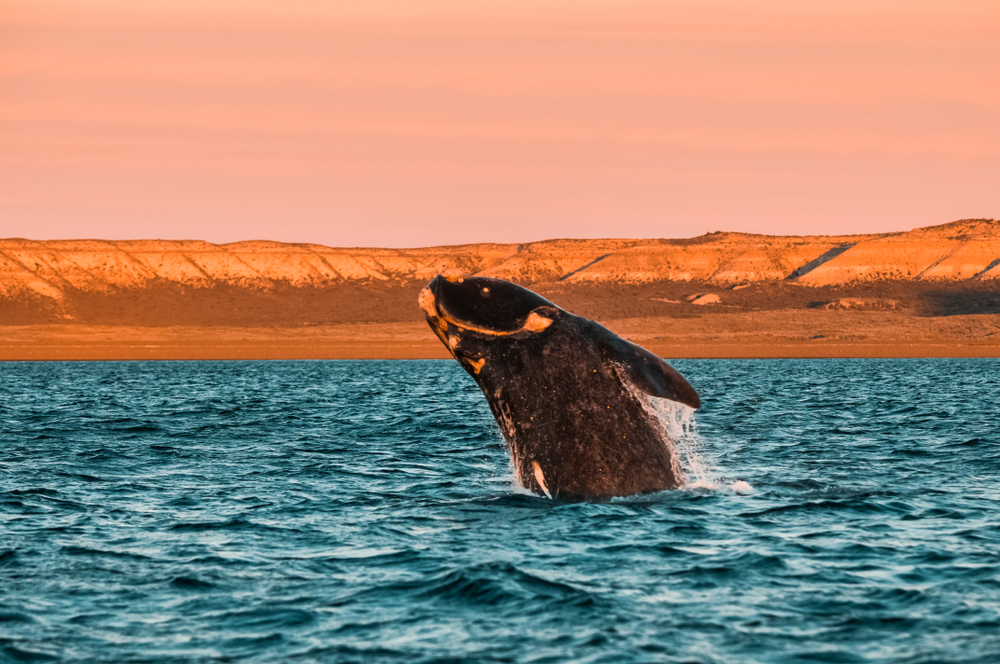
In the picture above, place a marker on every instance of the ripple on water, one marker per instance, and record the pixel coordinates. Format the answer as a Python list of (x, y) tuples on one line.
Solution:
[(837, 511)]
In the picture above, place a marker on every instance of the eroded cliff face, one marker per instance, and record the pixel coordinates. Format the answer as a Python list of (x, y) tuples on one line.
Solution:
[(961, 250), (51, 273), (50, 269)]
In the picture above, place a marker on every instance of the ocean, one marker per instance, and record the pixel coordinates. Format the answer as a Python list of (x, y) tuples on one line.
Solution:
[(364, 511)]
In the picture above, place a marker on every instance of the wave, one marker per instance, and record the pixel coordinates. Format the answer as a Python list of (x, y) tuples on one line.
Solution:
[(354, 511)]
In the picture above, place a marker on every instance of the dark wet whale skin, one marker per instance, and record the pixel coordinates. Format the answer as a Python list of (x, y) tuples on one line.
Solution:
[(560, 388)]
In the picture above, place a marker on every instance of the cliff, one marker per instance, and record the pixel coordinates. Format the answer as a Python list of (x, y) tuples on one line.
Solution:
[(78, 279), (967, 249)]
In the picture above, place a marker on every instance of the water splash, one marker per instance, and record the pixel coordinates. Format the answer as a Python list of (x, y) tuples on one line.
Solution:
[(742, 488), (680, 430)]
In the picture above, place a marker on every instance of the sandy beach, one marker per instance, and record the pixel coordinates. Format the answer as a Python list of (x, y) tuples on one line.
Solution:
[(768, 334)]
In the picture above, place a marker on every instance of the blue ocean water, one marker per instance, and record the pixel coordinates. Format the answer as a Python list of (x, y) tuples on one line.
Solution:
[(365, 512)]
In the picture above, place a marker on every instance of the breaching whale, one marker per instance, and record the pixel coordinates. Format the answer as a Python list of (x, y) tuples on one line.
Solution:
[(564, 390)]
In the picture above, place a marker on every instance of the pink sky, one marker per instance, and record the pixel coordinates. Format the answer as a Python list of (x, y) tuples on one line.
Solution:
[(420, 123)]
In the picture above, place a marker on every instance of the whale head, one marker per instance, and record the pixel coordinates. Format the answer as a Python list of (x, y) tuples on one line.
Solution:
[(486, 306)]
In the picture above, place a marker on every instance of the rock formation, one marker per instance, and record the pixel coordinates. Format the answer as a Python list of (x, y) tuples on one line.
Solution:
[(968, 249), (59, 275), (961, 250)]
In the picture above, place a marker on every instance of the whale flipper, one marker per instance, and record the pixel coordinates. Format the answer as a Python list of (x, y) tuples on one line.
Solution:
[(645, 370)]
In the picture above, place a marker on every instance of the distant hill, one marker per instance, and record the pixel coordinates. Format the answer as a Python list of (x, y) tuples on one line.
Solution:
[(163, 282)]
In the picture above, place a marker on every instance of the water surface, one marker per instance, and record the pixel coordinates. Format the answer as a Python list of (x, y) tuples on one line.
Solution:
[(364, 511)]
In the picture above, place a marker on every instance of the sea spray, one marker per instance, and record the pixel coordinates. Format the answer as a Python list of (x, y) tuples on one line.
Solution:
[(680, 432), (680, 429)]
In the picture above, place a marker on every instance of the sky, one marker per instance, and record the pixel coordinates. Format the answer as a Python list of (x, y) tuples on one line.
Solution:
[(401, 123)]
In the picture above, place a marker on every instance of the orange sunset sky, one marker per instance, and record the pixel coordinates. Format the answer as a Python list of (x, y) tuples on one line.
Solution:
[(417, 123)]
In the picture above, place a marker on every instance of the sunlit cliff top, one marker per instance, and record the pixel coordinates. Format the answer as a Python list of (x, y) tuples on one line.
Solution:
[(961, 250)]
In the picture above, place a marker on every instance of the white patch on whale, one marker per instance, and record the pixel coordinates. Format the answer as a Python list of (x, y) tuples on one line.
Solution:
[(540, 478)]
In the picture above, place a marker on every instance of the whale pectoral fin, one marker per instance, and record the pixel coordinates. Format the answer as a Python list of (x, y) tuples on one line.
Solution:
[(647, 371)]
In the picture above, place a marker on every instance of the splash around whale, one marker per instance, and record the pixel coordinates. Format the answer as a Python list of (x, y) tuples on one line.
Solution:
[(566, 392)]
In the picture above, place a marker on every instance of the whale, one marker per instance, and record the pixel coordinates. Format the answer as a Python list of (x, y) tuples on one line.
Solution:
[(571, 398)]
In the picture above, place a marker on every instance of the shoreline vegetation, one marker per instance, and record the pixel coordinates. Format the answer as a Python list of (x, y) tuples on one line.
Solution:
[(929, 292)]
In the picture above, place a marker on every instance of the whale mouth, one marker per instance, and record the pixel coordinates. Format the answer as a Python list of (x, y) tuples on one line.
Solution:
[(535, 322)]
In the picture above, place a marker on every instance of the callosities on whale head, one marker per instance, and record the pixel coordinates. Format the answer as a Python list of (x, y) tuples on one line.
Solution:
[(462, 308)]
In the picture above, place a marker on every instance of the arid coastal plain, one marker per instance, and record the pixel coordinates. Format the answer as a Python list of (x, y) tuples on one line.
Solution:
[(929, 292)]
